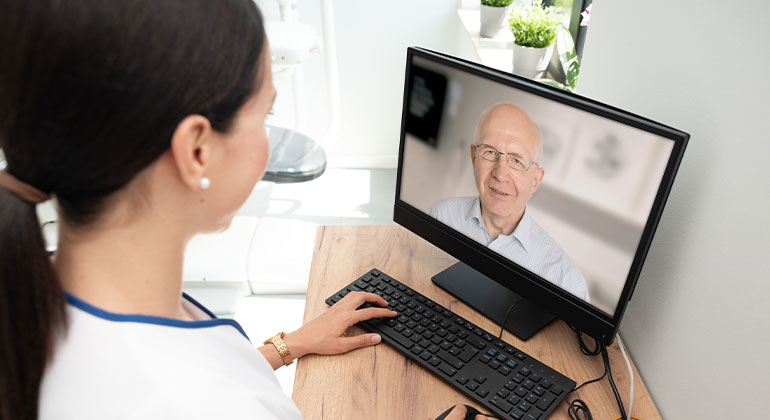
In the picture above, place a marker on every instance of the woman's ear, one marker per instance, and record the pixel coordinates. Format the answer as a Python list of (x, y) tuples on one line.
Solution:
[(191, 149)]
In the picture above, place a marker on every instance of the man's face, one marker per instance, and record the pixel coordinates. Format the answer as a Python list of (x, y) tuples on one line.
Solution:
[(504, 191)]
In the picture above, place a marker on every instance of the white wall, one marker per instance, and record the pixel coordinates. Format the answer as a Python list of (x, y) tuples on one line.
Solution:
[(698, 324), (372, 38)]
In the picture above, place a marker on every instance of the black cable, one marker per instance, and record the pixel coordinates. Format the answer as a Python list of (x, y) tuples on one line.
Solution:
[(578, 410), (502, 326), (607, 368), (583, 346)]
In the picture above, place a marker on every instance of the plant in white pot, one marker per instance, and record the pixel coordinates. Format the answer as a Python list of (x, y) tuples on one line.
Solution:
[(492, 15), (534, 31)]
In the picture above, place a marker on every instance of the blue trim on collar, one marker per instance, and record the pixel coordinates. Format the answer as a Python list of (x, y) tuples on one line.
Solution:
[(157, 320)]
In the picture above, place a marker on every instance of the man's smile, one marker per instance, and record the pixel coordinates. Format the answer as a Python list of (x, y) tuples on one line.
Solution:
[(501, 194)]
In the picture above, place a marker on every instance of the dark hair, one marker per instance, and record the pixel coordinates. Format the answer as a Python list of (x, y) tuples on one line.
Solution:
[(91, 92)]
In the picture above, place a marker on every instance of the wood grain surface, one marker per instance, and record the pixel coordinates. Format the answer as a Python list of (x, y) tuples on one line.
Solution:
[(380, 383)]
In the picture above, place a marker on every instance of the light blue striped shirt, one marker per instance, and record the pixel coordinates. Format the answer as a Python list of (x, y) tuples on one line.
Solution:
[(529, 245)]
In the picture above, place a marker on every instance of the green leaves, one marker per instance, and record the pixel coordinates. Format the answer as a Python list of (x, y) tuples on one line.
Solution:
[(496, 3), (535, 26), (568, 59)]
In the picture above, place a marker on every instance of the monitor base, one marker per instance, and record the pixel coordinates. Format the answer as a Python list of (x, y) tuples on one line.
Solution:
[(493, 300)]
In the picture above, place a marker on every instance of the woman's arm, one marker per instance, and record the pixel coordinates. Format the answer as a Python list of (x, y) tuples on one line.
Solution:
[(327, 334)]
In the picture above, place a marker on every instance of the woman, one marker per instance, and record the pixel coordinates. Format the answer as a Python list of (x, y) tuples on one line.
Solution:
[(144, 119)]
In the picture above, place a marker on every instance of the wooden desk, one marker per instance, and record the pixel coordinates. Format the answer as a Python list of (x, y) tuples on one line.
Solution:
[(380, 383)]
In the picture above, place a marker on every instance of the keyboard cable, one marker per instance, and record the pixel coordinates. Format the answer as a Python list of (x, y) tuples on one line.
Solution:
[(510, 309)]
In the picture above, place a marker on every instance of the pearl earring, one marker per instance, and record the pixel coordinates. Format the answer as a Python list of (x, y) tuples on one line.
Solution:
[(205, 183)]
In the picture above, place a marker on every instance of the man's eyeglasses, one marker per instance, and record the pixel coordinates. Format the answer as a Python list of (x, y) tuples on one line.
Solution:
[(515, 161)]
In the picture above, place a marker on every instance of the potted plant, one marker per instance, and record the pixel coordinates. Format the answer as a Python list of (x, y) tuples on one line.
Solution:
[(534, 31), (492, 14)]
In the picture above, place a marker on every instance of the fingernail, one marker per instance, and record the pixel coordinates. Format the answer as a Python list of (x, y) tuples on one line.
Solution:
[(376, 339)]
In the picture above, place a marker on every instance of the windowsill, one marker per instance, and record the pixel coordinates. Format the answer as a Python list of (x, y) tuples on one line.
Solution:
[(494, 52)]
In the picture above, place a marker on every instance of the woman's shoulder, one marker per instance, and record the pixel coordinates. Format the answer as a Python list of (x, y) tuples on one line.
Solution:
[(134, 369)]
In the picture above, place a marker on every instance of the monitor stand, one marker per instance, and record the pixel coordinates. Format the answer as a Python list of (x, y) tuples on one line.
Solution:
[(493, 300)]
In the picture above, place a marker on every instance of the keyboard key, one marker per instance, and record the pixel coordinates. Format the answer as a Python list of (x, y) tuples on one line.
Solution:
[(535, 377), (398, 338), (511, 385), (528, 384), (436, 340), (449, 370), (521, 391), (500, 358), (454, 351), (501, 404), (504, 393), (445, 345), (484, 359), (435, 361), (539, 390), (480, 379), (415, 338), (433, 349), (545, 402), (467, 354), (424, 343), (460, 343), (407, 332), (482, 392), (444, 324), (509, 350), (514, 399), (425, 355), (532, 415), (472, 386), (545, 383), (532, 399), (516, 414), (519, 356), (492, 352), (556, 390), (461, 380), (444, 355), (524, 406), (488, 338), (375, 273), (462, 334), (511, 364), (446, 313), (494, 364), (477, 343), (504, 371), (417, 350), (518, 378), (525, 371), (500, 344)]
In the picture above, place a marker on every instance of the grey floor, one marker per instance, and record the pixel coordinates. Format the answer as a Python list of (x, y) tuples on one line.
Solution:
[(338, 197)]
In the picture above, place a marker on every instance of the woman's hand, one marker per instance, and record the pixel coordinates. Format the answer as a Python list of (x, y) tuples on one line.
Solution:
[(327, 334)]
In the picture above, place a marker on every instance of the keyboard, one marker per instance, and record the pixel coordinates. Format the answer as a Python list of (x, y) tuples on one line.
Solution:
[(501, 378)]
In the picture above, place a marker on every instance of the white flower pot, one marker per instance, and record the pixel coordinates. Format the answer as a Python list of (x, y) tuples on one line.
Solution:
[(493, 19), (531, 62)]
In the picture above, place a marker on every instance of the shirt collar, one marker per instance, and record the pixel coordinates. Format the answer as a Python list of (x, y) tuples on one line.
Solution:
[(521, 233)]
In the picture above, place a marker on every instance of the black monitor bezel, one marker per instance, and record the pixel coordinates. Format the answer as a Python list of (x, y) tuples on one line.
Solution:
[(560, 303)]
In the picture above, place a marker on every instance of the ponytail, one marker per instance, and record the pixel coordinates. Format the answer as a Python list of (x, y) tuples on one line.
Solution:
[(31, 308)]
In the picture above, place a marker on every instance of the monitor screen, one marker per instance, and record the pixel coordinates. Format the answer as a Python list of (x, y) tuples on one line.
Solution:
[(566, 191)]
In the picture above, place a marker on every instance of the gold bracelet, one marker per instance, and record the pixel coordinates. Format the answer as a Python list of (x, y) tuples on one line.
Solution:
[(277, 341)]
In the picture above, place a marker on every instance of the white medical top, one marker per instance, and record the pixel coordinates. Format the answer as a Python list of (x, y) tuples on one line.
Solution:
[(529, 245), (115, 366)]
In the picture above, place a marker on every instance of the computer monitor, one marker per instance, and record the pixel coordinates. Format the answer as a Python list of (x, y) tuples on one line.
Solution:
[(549, 200)]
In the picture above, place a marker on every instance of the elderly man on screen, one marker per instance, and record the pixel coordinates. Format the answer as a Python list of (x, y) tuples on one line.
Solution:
[(505, 155)]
